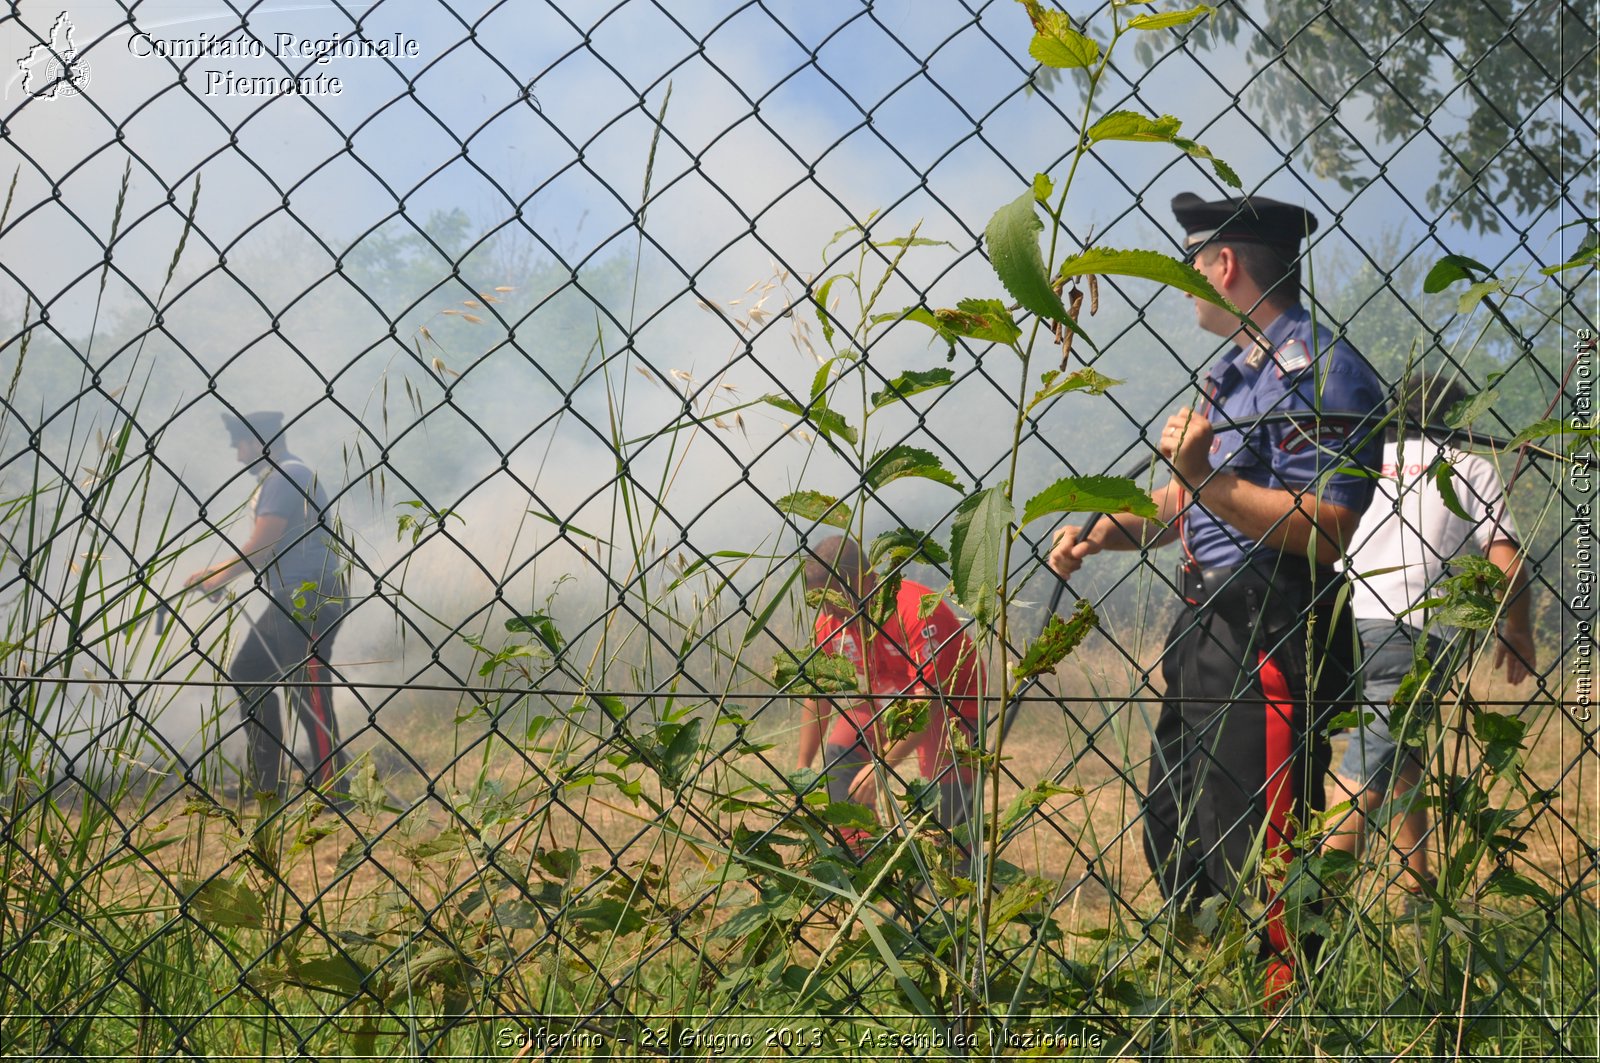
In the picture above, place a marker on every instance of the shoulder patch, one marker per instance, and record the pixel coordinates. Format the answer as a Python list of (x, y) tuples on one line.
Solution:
[(1292, 357)]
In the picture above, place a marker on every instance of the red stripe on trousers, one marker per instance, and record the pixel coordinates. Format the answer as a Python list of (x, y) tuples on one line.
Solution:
[(1280, 771), (320, 723)]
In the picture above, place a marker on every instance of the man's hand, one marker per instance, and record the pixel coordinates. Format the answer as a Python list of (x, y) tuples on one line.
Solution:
[(1067, 551), (197, 581), (1186, 443), (1515, 653)]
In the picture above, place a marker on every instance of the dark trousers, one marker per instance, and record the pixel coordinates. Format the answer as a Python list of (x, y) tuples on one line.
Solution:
[(283, 647), (1239, 752)]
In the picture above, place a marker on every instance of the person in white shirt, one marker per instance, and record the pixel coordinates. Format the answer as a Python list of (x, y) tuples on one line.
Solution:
[(1399, 554)]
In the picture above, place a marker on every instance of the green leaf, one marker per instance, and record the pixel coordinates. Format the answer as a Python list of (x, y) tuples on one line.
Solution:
[(1469, 409), (1043, 188), (819, 381), (1016, 899), (1344, 721), (759, 623), (1091, 494), (913, 241), (565, 528), (929, 604), (977, 538), (1056, 44), (519, 914), (610, 704), (979, 319), (825, 420), (1013, 241), (830, 597), (334, 973), (679, 752), (1224, 172), (816, 506), (1086, 379), (1508, 883), (1200, 151), (608, 915), (1147, 265), (1452, 268), (541, 626), (912, 382), (1058, 639), (820, 673), (894, 548), (1131, 125), (903, 718), (848, 815), (1553, 426), (1586, 257), (884, 601), (902, 461), (1475, 295), (1550, 426), (1167, 19), (1501, 736), (1031, 798), (220, 902), (1444, 479), (820, 300)]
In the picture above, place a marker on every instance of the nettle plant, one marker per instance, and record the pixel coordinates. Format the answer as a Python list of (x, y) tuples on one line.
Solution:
[(1048, 283)]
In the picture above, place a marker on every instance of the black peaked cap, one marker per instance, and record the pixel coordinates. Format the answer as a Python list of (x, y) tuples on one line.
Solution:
[(1244, 219), (264, 424)]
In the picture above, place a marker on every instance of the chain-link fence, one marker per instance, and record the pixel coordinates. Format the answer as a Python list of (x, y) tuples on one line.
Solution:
[(428, 437)]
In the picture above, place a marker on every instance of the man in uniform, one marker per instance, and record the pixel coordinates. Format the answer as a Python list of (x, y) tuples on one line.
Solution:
[(1266, 493), (290, 550), (910, 657)]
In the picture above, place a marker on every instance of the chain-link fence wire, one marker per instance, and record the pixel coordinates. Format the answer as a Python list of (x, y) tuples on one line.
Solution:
[(418, 421)]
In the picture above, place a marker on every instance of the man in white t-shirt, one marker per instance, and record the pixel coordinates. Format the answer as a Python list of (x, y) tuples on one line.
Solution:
[(1400, 551)]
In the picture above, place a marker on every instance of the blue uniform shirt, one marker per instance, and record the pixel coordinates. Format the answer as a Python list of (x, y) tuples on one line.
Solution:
[(1304, 372), (306, 553)]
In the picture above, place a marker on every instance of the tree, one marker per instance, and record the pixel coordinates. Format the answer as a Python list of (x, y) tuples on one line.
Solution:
[(1505, 89)]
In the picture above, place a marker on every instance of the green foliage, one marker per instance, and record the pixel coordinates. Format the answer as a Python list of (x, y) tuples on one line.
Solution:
[(1169, 19), (1091, 494), (907, 384), (1452, 268), (1131, 125), (1012, 238), (818, 673), (979, 319), (905, 718), (221, 902), (1145, 265), (901, 461), (1501, 151), (978, 537), (1055, 42), (1056, 383), (815, 506), (1058, 639), (541, 626), (826, 421), (900, 545)]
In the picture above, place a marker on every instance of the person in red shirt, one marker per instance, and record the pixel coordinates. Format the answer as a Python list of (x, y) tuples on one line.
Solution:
[(919, 653)]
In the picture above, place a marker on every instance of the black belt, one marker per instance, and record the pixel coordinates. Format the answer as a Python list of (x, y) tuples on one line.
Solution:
[(1249, 592)]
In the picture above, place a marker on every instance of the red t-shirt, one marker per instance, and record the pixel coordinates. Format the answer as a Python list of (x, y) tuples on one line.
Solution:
[(910, 657)]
